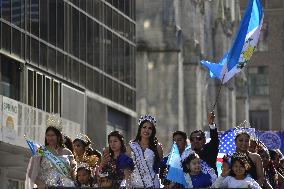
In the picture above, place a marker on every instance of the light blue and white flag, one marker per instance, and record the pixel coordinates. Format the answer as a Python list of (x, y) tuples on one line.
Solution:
[(243, 47), (175, 173), (34, 147)]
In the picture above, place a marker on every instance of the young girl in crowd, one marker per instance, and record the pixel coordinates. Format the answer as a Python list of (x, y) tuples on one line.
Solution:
[(194, 177), (237, 177), (84, 176)]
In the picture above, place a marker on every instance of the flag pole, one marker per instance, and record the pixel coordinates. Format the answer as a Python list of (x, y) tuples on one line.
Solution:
[(218, 94)]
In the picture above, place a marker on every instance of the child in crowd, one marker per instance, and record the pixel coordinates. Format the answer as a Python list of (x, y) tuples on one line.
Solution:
[(237, 177), (194, 177), (84, 176), (104, 180)]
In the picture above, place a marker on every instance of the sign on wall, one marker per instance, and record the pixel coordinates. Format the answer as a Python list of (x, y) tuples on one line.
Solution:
[(9, 120)]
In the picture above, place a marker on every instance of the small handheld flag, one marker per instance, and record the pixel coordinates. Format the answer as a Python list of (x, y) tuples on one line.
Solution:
[(175, 173), (34, 147)]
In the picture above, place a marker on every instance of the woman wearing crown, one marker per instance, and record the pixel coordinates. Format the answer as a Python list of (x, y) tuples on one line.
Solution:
[(146, 153), (82, 151), (54, 164), (242, 141)]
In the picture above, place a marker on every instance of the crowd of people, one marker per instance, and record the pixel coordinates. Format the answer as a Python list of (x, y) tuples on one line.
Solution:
[(141, 163)]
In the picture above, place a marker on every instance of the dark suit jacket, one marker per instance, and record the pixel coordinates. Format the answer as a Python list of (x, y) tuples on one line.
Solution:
[(210, 150)]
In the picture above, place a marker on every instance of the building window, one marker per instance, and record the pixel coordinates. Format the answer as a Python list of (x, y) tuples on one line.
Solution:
[(43, 92), (30, 87), (15, 184), (56, 97), (10, 78), (258, 81), (48, 94), (117, 121), (39, 91), (259, 119)]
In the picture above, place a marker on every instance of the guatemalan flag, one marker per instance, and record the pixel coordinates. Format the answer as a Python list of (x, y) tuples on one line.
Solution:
[(175, 172), (243, 47), (34, 147)]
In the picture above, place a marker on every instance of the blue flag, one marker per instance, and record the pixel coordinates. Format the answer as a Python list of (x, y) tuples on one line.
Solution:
[(34, 147), (243, 47), (175, 173)]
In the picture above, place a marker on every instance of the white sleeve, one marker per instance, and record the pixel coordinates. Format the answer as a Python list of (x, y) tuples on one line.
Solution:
[(220, 182), (253, 184), (32, 171), (213, 126)]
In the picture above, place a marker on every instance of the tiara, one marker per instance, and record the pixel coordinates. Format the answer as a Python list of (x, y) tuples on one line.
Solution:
[(245, 127), (83, 165), (149, 118), (84, 138), (54, 121), (238, 155)]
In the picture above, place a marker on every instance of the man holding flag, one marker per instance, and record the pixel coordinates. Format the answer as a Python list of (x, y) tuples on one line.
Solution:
[(180, 150)]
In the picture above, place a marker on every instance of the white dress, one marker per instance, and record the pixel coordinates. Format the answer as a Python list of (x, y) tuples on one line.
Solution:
[(231, 182), (143, 175)]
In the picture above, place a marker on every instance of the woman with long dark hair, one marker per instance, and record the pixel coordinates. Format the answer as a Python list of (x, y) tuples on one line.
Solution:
[(242, 142), (54, 164), (117, 166), (146, 153)]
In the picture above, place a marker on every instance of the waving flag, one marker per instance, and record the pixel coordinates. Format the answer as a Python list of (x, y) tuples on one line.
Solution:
[(34, 147), (175, 173), (243, 47)]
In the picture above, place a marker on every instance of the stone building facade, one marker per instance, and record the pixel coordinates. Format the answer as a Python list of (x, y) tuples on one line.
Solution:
[(172, 37)]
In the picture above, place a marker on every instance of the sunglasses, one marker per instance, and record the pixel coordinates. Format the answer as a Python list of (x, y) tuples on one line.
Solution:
[(197, 138)]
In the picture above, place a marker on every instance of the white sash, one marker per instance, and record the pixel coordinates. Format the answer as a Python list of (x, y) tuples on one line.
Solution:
[(143, 168)]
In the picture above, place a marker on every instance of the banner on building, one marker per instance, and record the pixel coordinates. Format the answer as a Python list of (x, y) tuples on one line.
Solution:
[(9, 120)]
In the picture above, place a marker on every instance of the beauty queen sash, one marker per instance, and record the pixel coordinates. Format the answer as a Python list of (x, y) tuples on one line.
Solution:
[(56, 161), (147, 176)]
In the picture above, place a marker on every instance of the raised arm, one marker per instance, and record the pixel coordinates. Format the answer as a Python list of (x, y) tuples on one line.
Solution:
[(213, 130)]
